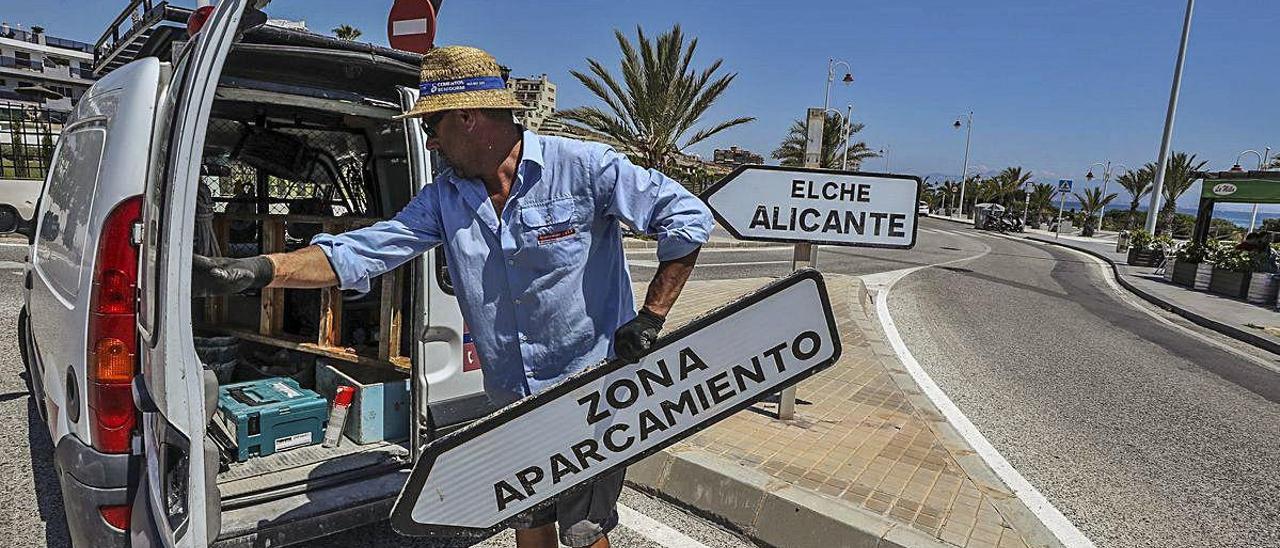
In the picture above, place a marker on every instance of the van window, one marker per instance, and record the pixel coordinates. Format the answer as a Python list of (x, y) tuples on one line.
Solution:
[(64, 223)]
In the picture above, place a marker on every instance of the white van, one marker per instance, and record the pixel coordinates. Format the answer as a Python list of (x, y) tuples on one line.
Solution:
[(287, 133)]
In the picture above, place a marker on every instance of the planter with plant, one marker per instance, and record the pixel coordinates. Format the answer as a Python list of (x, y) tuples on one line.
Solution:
[(1186, 261), (1263, 284), (1232, 269), (1143, 250)]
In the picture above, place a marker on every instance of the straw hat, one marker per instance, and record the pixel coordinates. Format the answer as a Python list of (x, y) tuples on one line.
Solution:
[(461, 77)]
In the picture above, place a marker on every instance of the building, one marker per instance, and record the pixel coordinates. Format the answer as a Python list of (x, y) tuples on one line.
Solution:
[(41, 78), (41, 70), (734, 156), (537, 93)]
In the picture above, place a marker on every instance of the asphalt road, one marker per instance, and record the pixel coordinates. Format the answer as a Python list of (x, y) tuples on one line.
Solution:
[(1139, 433), (31, 510)]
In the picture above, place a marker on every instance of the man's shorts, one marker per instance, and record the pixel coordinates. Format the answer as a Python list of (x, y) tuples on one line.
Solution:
[(584, 515)]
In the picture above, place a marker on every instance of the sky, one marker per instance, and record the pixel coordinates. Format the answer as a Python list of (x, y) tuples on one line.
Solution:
[(1053, 86)]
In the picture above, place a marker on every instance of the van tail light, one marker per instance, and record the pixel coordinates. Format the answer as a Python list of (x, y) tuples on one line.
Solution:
[(197, 20), (113, 333), (116, 516)]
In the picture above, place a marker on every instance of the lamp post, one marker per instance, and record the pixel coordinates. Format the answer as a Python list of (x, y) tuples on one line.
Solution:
[(884, 152), (831, 77), (1158, 187), (848, 121), (1262, 159), (1107, 171), (964, 172)]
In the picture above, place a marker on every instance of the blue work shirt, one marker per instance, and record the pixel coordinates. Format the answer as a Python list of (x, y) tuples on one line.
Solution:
[(544, 286)]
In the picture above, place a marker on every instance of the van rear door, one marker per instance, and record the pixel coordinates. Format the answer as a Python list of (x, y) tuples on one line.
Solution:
[(181, 497), (447, 379)]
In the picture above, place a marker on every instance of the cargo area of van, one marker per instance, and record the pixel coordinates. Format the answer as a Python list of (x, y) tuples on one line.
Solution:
[(298, 145)]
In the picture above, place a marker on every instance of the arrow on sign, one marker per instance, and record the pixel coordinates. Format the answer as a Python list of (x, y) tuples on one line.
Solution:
[(786, 204), (615, 414)]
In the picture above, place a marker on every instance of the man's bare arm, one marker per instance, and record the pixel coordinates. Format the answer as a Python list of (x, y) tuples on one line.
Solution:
[(667, 283), (306, 268)]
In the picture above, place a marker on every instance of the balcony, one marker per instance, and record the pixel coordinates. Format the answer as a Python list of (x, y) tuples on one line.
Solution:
[(33, 38), (28, 64)]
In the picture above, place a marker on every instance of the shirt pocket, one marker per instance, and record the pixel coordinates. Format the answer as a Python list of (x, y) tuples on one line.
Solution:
[(551, 230)]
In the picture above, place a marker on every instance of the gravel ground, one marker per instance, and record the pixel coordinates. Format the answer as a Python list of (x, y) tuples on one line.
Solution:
[(1137, 432)]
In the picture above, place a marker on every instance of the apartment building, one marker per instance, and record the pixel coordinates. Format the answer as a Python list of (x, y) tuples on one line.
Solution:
[(41, 70), (539, 94)]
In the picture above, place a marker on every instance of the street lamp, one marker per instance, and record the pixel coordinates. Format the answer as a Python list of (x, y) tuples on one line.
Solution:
[(964, 172), (1262, 159), (1107, 171), (1163, 160), (884, 153), (831, 78)]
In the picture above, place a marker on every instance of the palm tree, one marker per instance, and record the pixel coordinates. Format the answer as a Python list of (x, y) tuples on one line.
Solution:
[(791, 151), (1009, 183), (346, 32), (1138, 184), (658, 102), (1090, 203), (1178, 177), (950, 189), (1041, 199)]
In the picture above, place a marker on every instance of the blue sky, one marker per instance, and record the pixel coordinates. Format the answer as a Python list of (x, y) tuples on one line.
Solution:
[(1054, 86)]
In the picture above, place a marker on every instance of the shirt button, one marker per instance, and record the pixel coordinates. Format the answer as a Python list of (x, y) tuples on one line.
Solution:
[(523, 338), (517, 301), (511, 261)]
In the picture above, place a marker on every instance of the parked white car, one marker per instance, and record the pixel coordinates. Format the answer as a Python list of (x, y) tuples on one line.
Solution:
[(108, 331), (923, 208)]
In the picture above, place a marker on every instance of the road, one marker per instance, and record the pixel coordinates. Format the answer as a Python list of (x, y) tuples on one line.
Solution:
[(1140, 433)]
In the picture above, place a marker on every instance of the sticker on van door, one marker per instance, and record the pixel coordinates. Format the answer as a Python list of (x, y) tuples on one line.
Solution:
[(612, 415), (470, 359)]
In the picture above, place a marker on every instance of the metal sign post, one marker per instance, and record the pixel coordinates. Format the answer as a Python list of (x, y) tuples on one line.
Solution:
[(805, 252), (1064, 186), (617, 413)]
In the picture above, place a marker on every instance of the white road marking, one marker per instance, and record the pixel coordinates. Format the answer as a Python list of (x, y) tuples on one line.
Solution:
[(655, 530), (7, 244), (651, 251), (1142, 305), (1058, 524)]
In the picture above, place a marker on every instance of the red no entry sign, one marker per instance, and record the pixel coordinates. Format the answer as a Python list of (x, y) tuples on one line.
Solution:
[(412, 25)]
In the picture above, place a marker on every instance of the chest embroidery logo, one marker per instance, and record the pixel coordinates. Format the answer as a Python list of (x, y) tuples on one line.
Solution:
[(557, 235)]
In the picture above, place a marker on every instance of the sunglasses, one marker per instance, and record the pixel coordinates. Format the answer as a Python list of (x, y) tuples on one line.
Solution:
[(429, 123)]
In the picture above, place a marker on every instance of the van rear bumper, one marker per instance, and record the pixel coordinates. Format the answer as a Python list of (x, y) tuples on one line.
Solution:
[(89, 480), (312, 514)]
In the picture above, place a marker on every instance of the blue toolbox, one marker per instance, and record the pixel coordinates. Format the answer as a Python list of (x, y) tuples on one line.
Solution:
[(270, 415)]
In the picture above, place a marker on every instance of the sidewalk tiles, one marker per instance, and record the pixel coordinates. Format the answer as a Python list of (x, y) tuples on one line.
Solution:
[(866, 445), (1250, 323)]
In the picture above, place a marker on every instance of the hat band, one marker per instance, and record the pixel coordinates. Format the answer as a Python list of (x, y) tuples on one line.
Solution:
[(475, 83)]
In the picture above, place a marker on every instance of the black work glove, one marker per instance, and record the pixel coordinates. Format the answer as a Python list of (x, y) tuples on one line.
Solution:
[(636, 337), (224, 275)]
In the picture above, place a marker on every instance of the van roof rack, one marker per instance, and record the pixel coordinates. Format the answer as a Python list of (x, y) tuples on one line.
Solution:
[(153, 26)]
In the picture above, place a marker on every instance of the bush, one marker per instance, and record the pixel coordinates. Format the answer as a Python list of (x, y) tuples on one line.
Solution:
[(1234, 260), (1193, 253), (1141, 240)]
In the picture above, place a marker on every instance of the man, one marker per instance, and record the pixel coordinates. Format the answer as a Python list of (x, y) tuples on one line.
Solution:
[(530, 228)]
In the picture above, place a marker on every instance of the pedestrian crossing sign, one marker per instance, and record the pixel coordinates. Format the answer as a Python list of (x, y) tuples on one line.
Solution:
[(1064, 185)]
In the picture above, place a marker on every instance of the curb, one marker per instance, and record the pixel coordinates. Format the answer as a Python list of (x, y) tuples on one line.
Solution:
[(1203, 321), (768, 511), (634, 243)]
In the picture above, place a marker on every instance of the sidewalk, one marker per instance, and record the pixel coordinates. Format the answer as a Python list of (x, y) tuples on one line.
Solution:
[(867, 462), (1253, 324)]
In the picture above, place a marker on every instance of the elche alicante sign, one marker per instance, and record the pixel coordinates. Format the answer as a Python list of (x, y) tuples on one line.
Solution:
[(617, 413), (803, 205)]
